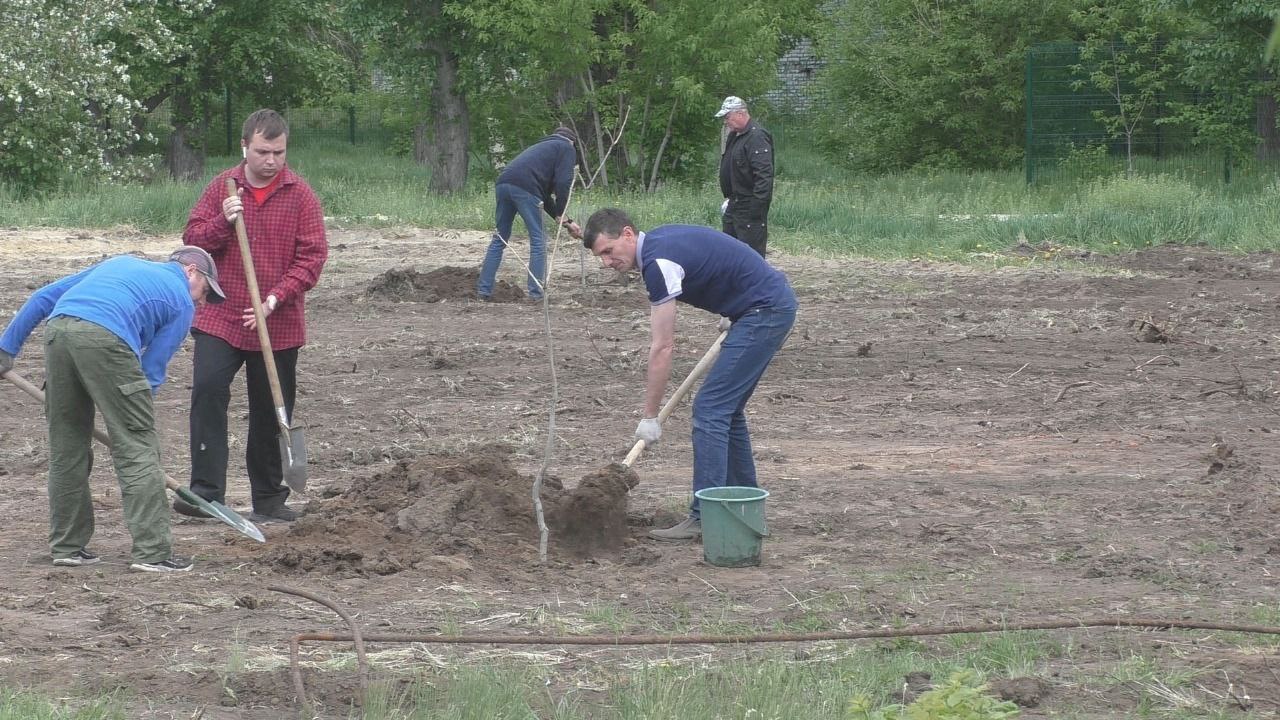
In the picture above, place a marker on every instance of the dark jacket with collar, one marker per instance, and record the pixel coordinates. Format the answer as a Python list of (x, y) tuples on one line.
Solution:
[(746, 172), (544, 169)]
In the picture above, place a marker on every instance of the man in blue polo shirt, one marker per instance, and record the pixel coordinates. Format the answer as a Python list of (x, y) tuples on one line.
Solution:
[(710, 270), (112, 330)]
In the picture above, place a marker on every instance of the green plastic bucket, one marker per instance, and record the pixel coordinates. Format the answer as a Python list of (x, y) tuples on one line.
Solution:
[(732, 525)]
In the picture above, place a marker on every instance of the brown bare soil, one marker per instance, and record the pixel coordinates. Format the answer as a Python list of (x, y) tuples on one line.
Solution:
[(1070, 435)]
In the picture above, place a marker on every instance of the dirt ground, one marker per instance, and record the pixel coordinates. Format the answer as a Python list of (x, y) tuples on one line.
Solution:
[(1058, 435)]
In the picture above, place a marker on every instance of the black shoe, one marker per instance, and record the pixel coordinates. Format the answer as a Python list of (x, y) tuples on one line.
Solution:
[(284, 513), (173, 564), (77, 558), (182, 507)]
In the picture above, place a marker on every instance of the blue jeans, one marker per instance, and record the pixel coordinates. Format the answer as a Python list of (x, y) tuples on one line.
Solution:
[(721, 443), (512, 200)]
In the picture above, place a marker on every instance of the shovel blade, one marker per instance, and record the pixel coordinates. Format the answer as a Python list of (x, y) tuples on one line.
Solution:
[(223, 513), (293, 456)]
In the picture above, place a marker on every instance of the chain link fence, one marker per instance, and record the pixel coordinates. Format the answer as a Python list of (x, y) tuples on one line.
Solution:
[(1080, 127)]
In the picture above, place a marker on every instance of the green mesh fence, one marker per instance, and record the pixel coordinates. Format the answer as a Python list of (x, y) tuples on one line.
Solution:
[(1068, 137), (361, 124)]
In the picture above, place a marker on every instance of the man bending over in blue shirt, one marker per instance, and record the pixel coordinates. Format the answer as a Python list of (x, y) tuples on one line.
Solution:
[(112, 330)]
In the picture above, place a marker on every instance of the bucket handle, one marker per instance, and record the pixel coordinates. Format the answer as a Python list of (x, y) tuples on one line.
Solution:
[(762, 532)]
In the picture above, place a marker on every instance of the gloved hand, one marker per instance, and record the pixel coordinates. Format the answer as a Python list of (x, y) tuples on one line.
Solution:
[(6, 362), (725, 324), (649, 430)]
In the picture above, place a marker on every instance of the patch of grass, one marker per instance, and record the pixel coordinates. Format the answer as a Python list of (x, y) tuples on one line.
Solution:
[(24, 705), (818, 207)]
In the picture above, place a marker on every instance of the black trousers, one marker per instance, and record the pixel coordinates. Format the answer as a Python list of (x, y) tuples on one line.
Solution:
[(216, 364), (752, 232)]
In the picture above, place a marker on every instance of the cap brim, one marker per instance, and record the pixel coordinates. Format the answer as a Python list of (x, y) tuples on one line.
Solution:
[(722, 113), (215, 294)]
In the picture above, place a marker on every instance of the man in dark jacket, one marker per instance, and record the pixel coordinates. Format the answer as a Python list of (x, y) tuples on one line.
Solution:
[(746, 175), (539, 178)]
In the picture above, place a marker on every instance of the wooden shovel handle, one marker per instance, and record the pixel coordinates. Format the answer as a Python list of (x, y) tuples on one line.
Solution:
[(260, 317), (698, 371), (24, 385)]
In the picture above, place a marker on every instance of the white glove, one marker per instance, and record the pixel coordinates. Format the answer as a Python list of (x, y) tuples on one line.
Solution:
[(724, 207), (725, 324), (649, 430)]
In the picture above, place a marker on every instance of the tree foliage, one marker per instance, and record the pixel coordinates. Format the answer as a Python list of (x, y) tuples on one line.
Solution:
[(931, 83), (67, 96)]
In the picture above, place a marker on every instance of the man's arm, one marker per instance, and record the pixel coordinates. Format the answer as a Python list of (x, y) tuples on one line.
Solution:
[(166, 341), (760, 156), (34, 311), (563, 180), (662, 326), (207, 226), (310, 251)]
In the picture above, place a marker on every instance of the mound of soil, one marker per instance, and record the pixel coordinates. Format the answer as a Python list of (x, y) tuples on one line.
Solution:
[(444, 283), (453, 505)]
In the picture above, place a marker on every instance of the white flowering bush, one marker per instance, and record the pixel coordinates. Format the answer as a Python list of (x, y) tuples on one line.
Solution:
[(67, 101)]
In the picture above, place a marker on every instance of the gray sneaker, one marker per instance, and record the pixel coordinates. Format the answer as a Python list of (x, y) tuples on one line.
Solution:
[(173, 564), (77, 559), (688, 529)]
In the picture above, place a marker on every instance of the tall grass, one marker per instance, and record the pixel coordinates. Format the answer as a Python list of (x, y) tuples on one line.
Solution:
[(817, 206)]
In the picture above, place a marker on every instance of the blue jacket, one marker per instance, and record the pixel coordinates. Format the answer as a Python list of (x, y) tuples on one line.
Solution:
[(544, 169), (146, 304)]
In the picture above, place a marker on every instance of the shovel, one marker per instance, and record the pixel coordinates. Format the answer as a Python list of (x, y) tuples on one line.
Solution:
[(293, 447), (697, 372), (215, 509)]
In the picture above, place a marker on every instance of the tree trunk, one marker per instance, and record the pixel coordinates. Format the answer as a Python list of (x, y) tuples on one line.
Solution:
[(1265, 123), (442, 143), (183, 157)]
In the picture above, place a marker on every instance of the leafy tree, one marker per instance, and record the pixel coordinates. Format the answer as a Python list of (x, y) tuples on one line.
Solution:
[(66, 97), (639, 78), (1127, 56), (277, 54), (1224, 60), (937, 83)]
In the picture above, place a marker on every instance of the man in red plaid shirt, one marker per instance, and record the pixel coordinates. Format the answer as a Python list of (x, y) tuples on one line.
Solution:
[(285, 225)]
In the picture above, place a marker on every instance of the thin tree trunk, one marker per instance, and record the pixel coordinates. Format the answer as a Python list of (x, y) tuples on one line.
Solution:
[(662, 148), (184, 158)]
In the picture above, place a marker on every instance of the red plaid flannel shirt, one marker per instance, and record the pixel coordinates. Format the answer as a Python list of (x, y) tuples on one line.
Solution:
[(287, 240)]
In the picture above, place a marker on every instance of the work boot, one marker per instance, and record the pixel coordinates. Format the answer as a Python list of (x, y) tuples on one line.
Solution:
[(182, 507), (688, 529), (284, 513)]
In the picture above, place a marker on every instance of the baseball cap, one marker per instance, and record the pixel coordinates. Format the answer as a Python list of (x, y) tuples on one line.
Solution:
[(192, 255), (731, 103)]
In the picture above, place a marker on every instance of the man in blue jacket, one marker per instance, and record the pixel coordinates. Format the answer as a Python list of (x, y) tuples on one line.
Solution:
[(112, 330), (538, 179), (712, 271)]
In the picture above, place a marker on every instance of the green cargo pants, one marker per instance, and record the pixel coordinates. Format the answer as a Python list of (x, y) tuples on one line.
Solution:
[(87, 366)]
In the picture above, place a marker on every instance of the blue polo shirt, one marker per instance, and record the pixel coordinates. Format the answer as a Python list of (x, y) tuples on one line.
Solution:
[(146, 304), (709, 270)]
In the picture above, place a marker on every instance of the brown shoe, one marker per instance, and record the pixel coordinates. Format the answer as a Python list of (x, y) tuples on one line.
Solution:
[(688, 529)]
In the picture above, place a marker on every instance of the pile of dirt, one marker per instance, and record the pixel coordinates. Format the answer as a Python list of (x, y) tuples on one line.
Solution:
[(444, 283), (472, 504)]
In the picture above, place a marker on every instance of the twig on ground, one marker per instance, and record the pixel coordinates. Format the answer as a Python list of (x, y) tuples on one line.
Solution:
[(704, 582), (1064, 390), (1169, 361), (1015, 372)]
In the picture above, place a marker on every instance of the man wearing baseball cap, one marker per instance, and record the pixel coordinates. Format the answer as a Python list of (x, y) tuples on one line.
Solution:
[(746, 175), (112, 331)]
